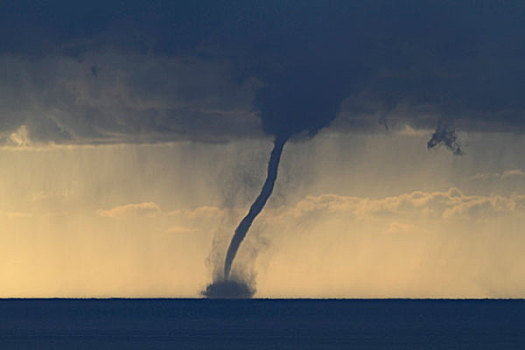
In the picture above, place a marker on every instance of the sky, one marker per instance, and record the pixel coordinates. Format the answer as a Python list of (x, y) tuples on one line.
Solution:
[(134, 137)]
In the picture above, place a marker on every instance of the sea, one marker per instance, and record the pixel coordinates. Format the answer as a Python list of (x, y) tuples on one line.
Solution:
[(261, 324)]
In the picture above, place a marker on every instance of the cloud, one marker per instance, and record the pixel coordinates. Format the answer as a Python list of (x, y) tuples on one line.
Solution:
[(407, 130), (198, 215), (512, 173), (132, 99), (180, 221), (19, 137), (50, 196), (442, 205), (507, 174), (485, 206), (148, 209), (396, 227), (450, 204), (161, 72), (202, 214), (180, 230)]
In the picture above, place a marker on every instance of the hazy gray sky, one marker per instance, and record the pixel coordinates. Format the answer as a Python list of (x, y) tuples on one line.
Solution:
[(352, 216)]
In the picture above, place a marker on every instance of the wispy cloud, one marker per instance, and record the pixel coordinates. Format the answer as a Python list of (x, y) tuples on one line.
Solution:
[(511, 173), (397, 227), (199, 213), (43, 195), (148, 209), (450, 204), (180, 230)]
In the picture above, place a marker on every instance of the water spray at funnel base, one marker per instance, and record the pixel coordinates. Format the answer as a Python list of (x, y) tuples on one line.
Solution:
[(227, 287)]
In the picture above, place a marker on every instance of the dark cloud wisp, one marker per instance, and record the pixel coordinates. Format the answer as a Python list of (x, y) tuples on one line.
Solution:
[(445, 135)]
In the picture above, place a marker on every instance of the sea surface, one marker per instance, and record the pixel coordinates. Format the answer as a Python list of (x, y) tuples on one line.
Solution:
[(261, 324)]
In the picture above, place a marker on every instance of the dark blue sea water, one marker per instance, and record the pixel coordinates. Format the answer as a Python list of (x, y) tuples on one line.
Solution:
[(261, 324)]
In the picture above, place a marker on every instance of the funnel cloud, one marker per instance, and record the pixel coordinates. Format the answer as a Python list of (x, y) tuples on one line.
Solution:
[(257, 206)]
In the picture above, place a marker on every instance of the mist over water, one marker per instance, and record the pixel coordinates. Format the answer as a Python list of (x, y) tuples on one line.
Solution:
[(230, 289)]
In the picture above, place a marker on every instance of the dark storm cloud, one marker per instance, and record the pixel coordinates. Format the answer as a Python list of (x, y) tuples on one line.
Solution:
[(131, 98), (173, 70)]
